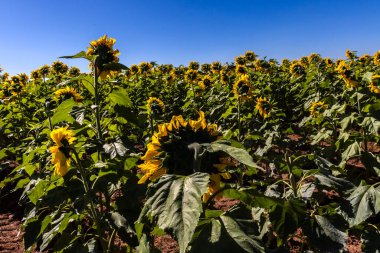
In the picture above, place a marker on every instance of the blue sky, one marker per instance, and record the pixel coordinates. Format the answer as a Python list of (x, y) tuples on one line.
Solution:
[(36, 32)]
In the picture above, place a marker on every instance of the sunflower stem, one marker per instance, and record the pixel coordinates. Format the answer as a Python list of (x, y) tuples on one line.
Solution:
[(239, 125), (151, 123), (97, 108), (93, 210)]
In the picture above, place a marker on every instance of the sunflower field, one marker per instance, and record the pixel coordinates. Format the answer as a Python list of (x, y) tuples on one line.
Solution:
[(247, 156)]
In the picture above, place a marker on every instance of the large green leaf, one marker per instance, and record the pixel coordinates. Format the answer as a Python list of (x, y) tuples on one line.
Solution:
[(120, 97), (364, 203), (239, 236), (62, 112), (238, 154), (351, 151), (321, 229), (176, 204)]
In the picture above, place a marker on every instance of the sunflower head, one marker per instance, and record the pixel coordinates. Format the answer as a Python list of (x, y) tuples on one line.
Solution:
[(144, 67), (297, 69), (328, 62), (242, 87), (66, 93), (365, 59), (262, 65), (34, 74), (59, 67), (262, 107), (134, 69), (216, 67), (350, 55), (191, 75), (304, 61), (103, 50), (314, 58), (5, 77), (74, 71), (175, 145), (62, 138), (206, 68), (285, 63), (224, 78), (374, 86), (250, 56), (347, 75), (376, 58), (240, 60), (316, 108), (206, 82), (241, 70), (193, 65), (155, 105), (44, 70)]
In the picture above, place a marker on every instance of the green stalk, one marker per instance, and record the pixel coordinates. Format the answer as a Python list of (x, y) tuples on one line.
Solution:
[(97, 108), (93, 210), (151, 123), (363, 130), (239, 124)]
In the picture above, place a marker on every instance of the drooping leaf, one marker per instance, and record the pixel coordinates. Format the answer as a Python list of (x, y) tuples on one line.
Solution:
[(176, 204), (364, 203), (238, 154), (81, 54), (115, 148)]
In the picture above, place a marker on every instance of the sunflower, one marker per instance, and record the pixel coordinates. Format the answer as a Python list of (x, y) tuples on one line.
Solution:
[(348, 75), (262, 65), (316, 108), (250, 56), (16, 85), (103, 49), (240, 60), (44, 70), (374, 86), (5, 77), (74, 72), (216, 67), (34, 75), (205, 83), (297, 69), (155, 105), (193, 65), (191, 75), (240, 70), (144, 67), (206, 68), (224, 78), (59, 67), (261, 104), (314, 58), (172, 149), (67, 92), (62, 138), (328, 62), (365, 59), (376, 58), (350, 55), (285, 63), (242, 88)]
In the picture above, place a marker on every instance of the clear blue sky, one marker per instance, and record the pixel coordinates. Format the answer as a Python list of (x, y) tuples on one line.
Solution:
[(36, 32)]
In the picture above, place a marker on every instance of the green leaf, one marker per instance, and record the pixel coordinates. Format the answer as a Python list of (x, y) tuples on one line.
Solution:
[(347, 122), (372, 124), (130, 163), (62, 112), (238, 154), (176, 204), (78, 112), (351, 151), (239, 236), (371, 162), (364, 203), (120, 97), (115, 148), (81, 54)]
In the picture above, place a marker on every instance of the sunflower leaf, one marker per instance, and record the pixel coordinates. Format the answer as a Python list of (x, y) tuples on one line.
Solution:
[(176, 204)]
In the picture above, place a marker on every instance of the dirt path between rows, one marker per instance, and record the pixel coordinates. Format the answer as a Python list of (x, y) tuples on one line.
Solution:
[(10, 234)]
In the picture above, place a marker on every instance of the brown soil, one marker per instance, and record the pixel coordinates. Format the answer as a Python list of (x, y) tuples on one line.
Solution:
[(10, 234), (166, 244)]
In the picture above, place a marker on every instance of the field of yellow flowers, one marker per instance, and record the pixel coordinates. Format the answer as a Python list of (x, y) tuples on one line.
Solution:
[(248, 156)]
